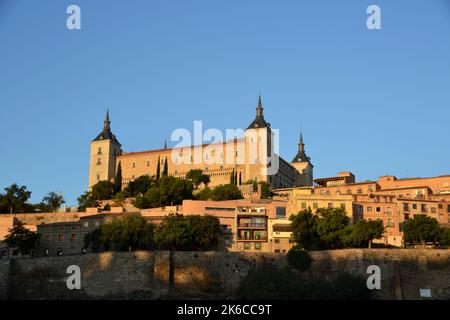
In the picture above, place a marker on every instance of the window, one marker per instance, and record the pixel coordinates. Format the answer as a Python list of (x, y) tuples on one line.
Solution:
[(257, 246), (303, 205), (277, 240), (330, 205), (60, 237), (98, 177), (47, 237), (315, 205), (134, 164), (99, 161), (414, 206), (433, 210), (148, 163), (99, 151), (281, 212), (343, 206), (246, 246), (73, 237), (423, 207), (448, 208), (378, 209), (277, 250), (405, 207), (85, 224), (440, 205), (349, 191), (369, 209), (359, 191)]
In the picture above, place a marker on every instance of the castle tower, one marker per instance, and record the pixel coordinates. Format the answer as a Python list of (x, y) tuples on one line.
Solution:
[(303, 164), (104, 150), (258, 147)]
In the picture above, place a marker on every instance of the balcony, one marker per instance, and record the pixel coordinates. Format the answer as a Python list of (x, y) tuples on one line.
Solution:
[(252, 225), (252, 238)]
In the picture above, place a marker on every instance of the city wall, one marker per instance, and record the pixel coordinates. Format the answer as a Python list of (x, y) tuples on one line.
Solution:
[(213, 275)]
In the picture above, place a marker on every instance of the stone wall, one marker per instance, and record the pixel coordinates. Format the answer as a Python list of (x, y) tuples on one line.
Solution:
[(213, 275)]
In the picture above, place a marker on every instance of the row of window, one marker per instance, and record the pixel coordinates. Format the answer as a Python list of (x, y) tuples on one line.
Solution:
[(60, 237), (330, 205)]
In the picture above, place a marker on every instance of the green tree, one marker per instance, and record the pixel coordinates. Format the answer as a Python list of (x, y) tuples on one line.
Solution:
[(232, 177), (53, 201), (103, 190), (15, 198), (265, 191), (86, 200), (299, 259), (444, 238), (92, 240), (119, 199), (226, 192), (130, 233), (193, 232), (21, 238), (255, 185), (240, 178), (421, 229), (165, 172), (365, 231), (204, 194), (331, 226), (118, 178), (158, 169), (304, 230), (139, 186), (198, 177)]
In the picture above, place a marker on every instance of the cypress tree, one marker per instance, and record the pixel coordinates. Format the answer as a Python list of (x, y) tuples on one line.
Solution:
[(235, 178), (166, 168), (158, 169), (240, 178), (232, 177), (118, 179)]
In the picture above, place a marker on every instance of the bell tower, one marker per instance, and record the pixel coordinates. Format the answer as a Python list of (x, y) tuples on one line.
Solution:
[(304, 167), (104, 150)]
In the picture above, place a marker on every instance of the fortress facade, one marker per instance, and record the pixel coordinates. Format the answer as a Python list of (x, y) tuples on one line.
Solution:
[(252, 157)]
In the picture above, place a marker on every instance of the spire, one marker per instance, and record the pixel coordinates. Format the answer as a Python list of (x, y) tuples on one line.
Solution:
[(301, 145), (107, 122), (259, 108), (165, 144), (259, 121)]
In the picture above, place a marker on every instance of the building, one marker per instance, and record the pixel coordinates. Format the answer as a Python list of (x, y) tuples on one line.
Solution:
[(252, 158), (389, 199)]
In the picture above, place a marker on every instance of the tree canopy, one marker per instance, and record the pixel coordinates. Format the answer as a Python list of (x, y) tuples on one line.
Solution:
[(421, 229), (226, 192), (21, 238), (330, 229), (198, 177)]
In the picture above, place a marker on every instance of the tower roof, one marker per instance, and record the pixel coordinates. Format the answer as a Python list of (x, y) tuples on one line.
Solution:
[(301, 155), (259, 121), (107, 134)]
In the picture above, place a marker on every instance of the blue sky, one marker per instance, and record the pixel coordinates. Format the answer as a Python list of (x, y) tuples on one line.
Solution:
[(373, 102)]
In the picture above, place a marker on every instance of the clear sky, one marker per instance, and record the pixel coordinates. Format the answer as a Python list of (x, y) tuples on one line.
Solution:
[(373, 102)]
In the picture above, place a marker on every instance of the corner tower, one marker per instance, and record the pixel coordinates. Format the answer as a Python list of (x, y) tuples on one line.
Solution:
[(258, 147), (302, 163), (104, 150)]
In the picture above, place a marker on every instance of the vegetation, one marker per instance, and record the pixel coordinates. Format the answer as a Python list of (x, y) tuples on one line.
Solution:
[(197, 177), (226, 192), (21, 238), (103, 190), (331, 229), (15, 198), (87, 201), (178, 232), (299, 259), (129, 233), (118, 179), (53, 201), (421, 229), (444, 238), (271, 282)]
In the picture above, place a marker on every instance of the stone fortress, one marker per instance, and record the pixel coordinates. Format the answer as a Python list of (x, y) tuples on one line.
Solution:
[(252, 158)]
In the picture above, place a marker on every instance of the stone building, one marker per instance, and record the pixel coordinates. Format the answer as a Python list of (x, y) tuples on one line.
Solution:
[(253, 158)]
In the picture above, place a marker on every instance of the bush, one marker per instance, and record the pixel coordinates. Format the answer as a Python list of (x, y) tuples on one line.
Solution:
[(299, 259)]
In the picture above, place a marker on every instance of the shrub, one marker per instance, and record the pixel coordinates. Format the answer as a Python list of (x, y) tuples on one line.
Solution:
[(299, 259)]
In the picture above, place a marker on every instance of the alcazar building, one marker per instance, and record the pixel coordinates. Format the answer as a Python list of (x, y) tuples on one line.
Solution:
[(251, 158)]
